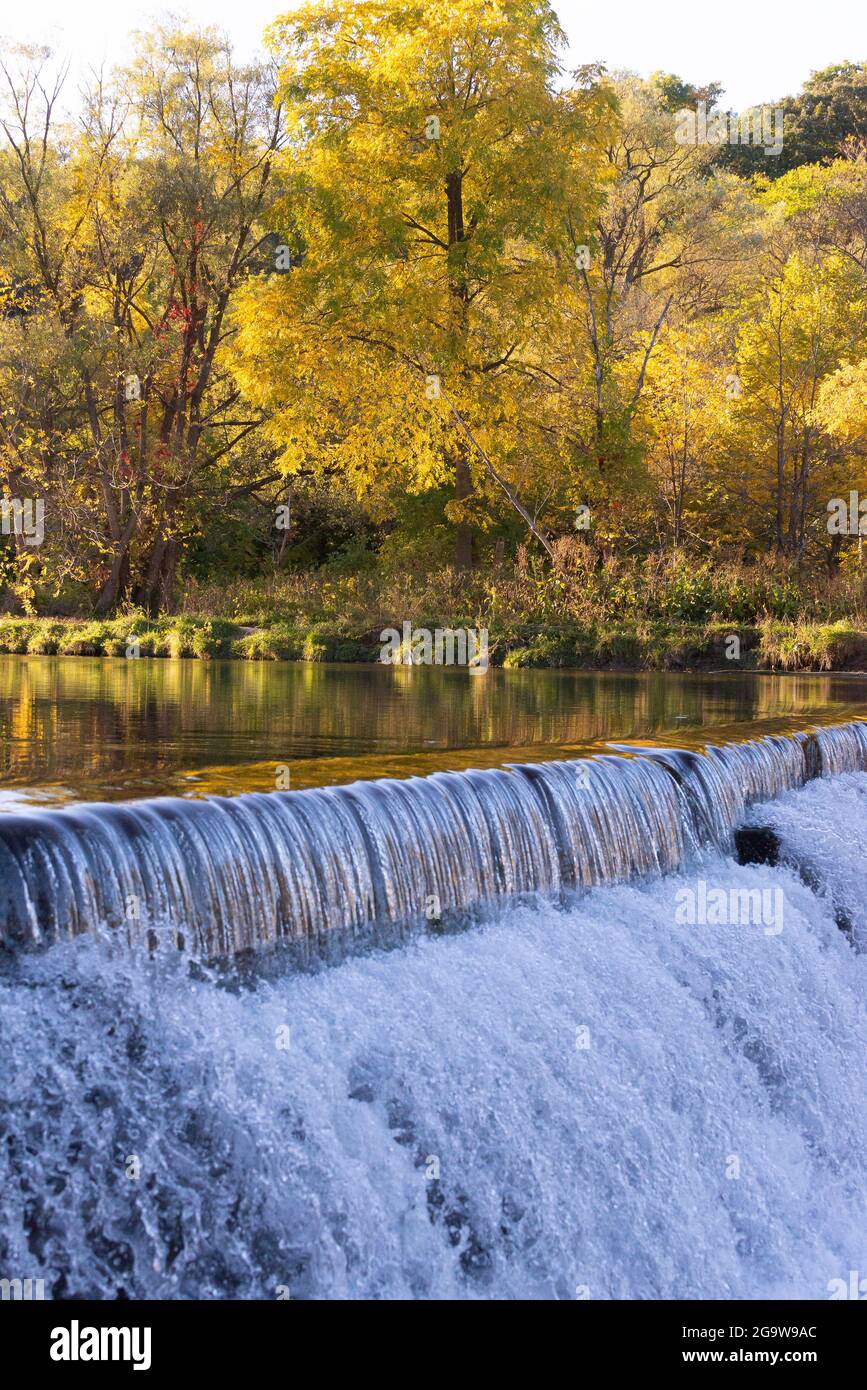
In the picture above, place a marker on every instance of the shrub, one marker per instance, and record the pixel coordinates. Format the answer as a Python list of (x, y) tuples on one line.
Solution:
[(15, 635), (518, 658), (276, 643), (208, 641), (354, 651), (44, 638), (812, 646), (315, 648), (85, 639)]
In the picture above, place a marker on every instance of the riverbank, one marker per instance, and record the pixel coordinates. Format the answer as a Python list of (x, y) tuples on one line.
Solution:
[(644, 645)]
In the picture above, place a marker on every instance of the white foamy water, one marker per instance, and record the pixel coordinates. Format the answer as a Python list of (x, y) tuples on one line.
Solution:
[(818, 829), (312, 1167)]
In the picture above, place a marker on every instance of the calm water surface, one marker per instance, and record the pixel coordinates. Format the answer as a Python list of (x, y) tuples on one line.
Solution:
[(104, 729)]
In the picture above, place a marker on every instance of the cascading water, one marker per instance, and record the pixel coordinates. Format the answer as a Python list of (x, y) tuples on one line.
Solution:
[(304, 867), (819, 845), (591, 1098), (585, 1096)]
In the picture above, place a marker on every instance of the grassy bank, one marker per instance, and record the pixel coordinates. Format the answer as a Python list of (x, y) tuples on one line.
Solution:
[(672, 615), (770, 645)]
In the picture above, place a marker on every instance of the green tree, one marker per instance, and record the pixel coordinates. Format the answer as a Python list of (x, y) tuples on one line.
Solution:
[(826, 116)]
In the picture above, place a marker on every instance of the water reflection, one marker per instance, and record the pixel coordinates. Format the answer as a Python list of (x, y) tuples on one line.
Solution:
[(103, 729)]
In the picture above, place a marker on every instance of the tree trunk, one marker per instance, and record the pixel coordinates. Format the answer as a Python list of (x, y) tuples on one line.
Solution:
[(166, 597), (463, 530), (114, 589), (832, 555), (780, 489), (147, 590), (459, 293)]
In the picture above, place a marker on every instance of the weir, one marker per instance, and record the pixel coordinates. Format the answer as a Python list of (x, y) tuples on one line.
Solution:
[(235, 873)]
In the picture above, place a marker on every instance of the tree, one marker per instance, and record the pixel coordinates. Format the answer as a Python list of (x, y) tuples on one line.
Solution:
[(687, 394), (842, 412), (135, 231), (803, 320), (662, 248), (432, 157), (829, 113)]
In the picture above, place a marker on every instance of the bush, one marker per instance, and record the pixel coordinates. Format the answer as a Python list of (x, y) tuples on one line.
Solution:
[(658, 612), (177, 638), (210, 640), (812, 646), (85, 639), (44, 638), (15, 635), (354, 651), (518, 658), (276, 643), (315, 648)]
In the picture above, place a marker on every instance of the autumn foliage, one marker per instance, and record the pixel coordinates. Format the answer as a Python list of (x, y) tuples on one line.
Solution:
[(409, 294)]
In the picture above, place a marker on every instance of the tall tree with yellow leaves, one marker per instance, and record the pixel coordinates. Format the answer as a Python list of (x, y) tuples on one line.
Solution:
[(433, 156)]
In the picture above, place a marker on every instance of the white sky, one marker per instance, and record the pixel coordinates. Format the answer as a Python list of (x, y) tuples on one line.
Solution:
[(759, 51)]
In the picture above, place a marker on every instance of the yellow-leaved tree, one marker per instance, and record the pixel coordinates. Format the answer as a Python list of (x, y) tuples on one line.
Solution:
[(842, 411), (433, 154), (804, 320), (687, 396)]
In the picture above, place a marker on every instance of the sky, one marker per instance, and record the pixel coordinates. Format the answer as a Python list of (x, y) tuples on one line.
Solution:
[(757, 51)]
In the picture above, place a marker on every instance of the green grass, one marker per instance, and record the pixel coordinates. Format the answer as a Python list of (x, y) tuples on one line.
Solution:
[(638, 644), (813, 646), (653, 614), (531, 595)]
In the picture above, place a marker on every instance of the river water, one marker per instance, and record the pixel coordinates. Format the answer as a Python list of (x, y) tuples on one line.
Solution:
[(109, 729)]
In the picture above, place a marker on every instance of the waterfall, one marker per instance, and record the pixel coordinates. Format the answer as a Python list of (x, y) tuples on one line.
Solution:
[(231, 873), (553, 1106), (549, 1104)]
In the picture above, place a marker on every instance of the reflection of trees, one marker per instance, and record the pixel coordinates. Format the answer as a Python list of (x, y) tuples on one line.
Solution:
[(64, 717)]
